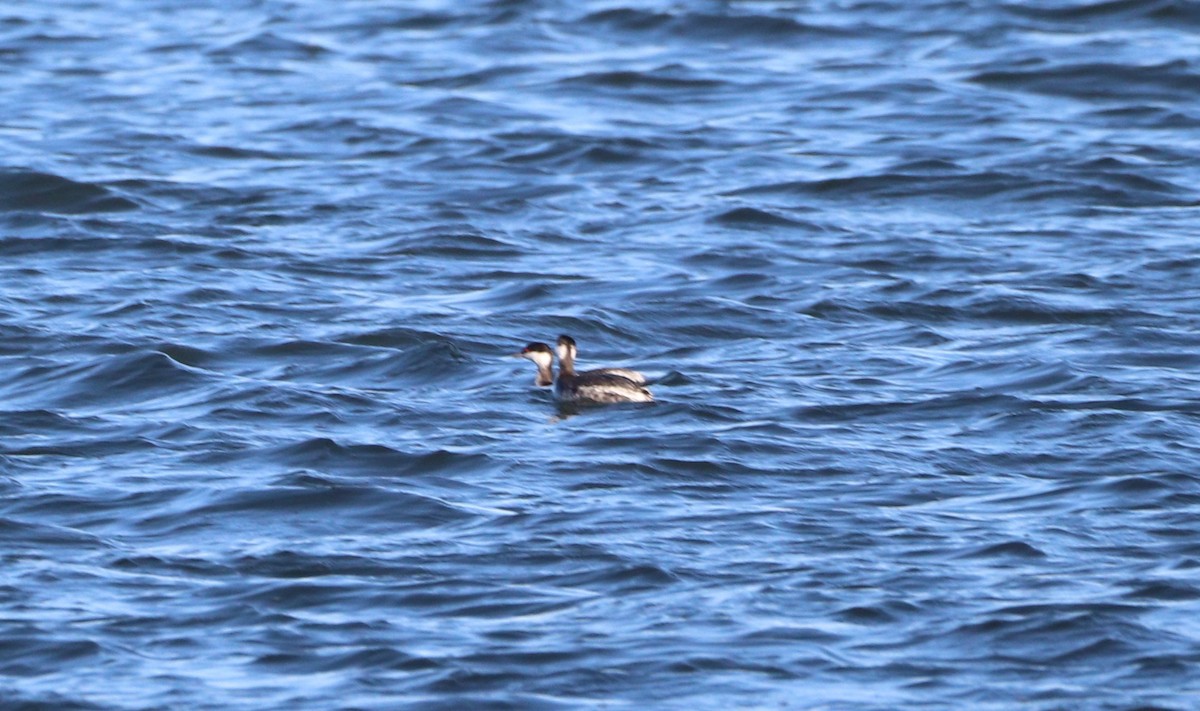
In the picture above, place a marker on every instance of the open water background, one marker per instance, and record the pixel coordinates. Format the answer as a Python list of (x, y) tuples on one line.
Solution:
[(917, 282)]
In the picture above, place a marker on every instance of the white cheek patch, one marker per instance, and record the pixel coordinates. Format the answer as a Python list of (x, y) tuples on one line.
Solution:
[(541, 359)]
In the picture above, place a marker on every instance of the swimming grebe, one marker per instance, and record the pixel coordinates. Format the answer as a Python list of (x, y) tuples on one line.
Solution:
[(567, 350), (601, 386), (543, 357)]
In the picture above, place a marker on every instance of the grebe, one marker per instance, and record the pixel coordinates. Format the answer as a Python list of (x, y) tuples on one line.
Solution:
[(543, 357), (567, 350), (603, 386)]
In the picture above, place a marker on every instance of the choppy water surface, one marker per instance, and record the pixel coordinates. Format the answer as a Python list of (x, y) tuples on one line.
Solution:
[(917, 284)]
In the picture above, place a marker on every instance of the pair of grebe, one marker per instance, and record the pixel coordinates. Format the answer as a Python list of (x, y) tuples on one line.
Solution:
[(602, 385)]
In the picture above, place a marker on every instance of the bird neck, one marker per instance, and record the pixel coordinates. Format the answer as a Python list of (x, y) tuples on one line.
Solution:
[(545, 374), (567, 365)]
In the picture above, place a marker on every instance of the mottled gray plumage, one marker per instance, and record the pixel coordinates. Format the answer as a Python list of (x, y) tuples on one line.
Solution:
[(600, 386), (566, 348)]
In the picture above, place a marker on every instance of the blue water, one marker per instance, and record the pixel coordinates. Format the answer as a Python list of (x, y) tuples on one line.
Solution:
[(917, 285)]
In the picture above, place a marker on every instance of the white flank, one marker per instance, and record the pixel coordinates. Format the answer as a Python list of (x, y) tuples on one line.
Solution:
[(612, 392)]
